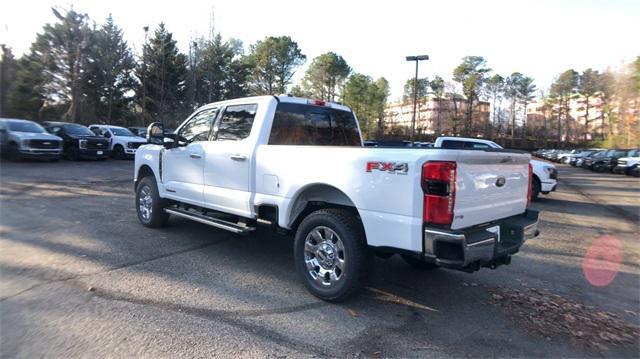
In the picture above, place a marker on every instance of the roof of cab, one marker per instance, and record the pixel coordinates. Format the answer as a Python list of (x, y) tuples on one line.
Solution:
[(280, 98), (15, 120)]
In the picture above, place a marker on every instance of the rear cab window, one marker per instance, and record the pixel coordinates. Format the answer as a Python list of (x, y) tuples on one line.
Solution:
[(297, 124), (455, 144)]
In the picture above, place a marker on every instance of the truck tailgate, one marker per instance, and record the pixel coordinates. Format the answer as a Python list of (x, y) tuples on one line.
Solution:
[(489, 186)]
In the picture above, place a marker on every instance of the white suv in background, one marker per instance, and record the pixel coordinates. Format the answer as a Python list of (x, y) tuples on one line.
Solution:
[(545, 175), (123, 142)]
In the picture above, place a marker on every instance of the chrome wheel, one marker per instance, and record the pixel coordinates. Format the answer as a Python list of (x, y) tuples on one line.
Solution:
[(145, 203), (324, 255)]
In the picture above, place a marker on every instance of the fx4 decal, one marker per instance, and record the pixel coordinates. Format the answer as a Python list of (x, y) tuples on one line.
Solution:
[(400, 168)]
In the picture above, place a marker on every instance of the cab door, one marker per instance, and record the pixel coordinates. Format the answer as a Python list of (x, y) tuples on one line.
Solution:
[(228, 160), (183, 165)]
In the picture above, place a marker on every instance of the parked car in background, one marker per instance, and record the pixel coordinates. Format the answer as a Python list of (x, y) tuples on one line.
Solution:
[(606, 162), (627, 164), (589, 160), (123, 142), (26, 139), (557, 155), (139, 131), (580, 160), (549, 154), (565, 157), (78, 141), (573, 159), (545, 175)]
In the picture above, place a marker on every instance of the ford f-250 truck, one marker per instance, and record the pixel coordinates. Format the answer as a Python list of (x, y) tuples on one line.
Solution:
[(299, 166)]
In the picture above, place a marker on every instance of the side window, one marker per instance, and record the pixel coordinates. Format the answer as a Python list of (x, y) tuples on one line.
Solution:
[(236, 122), (197, 129), (105, 133), (95, 130), (452, 144), (55, 130), (476, 145)]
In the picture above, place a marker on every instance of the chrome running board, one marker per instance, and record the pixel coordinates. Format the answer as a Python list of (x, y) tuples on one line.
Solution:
[(214, 222)]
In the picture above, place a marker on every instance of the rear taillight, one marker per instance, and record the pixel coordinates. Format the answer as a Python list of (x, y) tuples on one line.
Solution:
[(530, 184), (439, 187)]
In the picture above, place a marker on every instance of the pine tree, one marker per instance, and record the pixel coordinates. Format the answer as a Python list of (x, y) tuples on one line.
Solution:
[(221, 70), (471, 76), (437, 87), (165, 70), (27, 96), (64, 48), (111, 73), (563, 89), (274, 61), (526, 89), (8, 69), (326, 76)]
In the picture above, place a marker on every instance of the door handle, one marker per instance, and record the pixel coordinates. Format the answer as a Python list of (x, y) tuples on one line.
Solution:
[(238, 157), (195, 155)]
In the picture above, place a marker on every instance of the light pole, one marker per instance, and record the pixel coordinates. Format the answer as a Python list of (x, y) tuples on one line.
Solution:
[(417, 59)]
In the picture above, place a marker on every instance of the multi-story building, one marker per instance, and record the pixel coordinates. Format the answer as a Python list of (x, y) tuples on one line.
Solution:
[(435, 117)]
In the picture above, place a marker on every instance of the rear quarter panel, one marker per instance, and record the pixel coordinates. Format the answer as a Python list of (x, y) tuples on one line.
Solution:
[(390, 204)]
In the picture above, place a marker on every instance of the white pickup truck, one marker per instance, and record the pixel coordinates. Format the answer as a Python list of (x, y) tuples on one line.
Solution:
[(298, 166)]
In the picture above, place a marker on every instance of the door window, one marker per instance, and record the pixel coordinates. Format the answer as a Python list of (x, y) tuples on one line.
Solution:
[(197, 128), (56, 130), (476, 145), (236, 122), (101, 131)]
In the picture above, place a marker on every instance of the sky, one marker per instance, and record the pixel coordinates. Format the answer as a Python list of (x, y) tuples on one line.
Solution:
[(537, 38)]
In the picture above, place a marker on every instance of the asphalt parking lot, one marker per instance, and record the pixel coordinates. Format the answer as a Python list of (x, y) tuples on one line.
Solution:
[(79, 276)]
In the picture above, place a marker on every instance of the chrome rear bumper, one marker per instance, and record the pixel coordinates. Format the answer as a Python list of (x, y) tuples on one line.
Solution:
[(487, 245)]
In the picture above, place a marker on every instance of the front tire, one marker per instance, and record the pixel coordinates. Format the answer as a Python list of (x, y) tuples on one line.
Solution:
[(118, 152), (73, 154), (149, 205), (14, 153), (599, 168), (536, 187), (331, 254)]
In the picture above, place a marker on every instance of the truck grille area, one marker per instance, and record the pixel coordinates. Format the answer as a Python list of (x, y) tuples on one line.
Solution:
[(134, 144), (97, 145), (44, 144)]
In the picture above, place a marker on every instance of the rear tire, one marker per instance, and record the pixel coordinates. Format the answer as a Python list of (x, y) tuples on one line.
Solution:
[(416, 263), (149, 205), (331, 254)]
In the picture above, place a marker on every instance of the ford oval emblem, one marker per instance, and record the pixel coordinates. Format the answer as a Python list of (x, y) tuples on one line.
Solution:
[(501, 181)]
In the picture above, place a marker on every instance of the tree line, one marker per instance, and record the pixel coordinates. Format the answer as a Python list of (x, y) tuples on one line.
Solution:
[(78, 71), (617, 108), (81, 72)]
